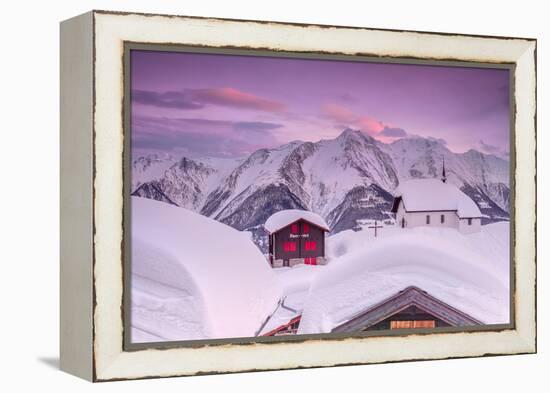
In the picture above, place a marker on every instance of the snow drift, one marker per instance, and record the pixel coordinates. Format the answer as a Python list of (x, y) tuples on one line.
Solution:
[(442, 262), (195, 278)]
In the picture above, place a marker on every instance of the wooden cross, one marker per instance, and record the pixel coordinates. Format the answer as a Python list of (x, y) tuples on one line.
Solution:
[(375, 227)]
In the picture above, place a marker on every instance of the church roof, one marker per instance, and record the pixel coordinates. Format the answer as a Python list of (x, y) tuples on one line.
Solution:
[(283, 218), (422, 195)]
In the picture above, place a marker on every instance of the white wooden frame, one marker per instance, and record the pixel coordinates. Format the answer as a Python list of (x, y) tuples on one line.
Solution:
[(92, 195)]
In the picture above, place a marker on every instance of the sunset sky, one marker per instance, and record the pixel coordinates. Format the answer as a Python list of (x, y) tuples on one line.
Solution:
[(229, 106)]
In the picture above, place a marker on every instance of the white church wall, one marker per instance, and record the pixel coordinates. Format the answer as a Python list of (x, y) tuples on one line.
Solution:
[(417, 219), (473, 228)]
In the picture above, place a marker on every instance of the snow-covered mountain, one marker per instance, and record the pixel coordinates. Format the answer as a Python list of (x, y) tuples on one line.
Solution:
[(344, 179)]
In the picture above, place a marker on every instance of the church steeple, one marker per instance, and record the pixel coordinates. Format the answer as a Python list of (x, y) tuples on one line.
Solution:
[(443, 174)]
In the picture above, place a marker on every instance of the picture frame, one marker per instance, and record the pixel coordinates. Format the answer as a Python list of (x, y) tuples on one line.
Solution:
[(95, 266)]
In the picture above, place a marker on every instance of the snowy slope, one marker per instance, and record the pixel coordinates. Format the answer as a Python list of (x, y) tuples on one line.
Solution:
[(148, 168), (196, 278), (342, 164), (469, 272), (185, 182), (295, 282)]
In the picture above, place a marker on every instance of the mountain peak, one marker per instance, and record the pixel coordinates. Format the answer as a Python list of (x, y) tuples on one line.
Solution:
[(349, 132), (352, 135)]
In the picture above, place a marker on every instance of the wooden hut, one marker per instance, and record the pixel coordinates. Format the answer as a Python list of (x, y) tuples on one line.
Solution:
[(296, 237)]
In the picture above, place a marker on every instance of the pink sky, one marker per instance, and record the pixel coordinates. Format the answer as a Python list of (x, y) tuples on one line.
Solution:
[(221, 105)]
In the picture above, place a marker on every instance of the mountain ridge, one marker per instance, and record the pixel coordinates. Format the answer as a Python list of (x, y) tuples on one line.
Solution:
[(351, 177)]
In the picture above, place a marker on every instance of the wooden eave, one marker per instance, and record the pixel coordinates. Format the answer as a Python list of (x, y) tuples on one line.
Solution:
[(410, 296), (298, 220)]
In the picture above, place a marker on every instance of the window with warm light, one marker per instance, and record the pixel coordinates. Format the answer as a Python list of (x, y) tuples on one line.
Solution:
[(289, 246), (412, 324), (310, 245)]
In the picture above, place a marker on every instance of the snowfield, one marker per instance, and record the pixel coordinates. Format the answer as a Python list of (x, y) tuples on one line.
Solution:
[(195, 278), (469, 272)]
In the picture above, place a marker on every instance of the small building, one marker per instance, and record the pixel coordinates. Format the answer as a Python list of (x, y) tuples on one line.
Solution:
[(296, 237), (411, 308), (435, 203)]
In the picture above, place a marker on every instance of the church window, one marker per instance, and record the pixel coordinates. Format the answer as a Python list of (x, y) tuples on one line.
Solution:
[(469, 221), (443, 218), (428, 219)]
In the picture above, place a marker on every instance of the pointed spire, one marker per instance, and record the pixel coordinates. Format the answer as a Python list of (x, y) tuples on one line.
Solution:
[(444, 175)]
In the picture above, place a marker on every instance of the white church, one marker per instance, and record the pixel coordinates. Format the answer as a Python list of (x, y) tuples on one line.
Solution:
[(435, 203)]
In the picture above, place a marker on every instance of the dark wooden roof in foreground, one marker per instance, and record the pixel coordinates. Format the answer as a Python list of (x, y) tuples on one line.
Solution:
[(410, 296)]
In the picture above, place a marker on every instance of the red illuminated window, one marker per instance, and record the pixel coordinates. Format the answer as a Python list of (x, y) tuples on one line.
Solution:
[(289, 246), (305, 227), (310, 261), (294, 228), (310, 245)]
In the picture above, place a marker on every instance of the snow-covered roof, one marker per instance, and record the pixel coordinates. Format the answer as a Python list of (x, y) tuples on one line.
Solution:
[(430, 260), (196, 278), (285, 217), (434, 195)]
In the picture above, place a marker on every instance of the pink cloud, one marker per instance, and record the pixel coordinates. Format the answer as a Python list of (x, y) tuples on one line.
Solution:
[(346, 116), (370, 125), (339, 113), (229, 96)]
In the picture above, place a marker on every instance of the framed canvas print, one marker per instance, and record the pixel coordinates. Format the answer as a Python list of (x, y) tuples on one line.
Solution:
[(246, 195)]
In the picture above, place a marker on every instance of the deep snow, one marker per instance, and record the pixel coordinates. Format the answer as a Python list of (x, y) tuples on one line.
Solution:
[(195, 278), (469, 272)]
